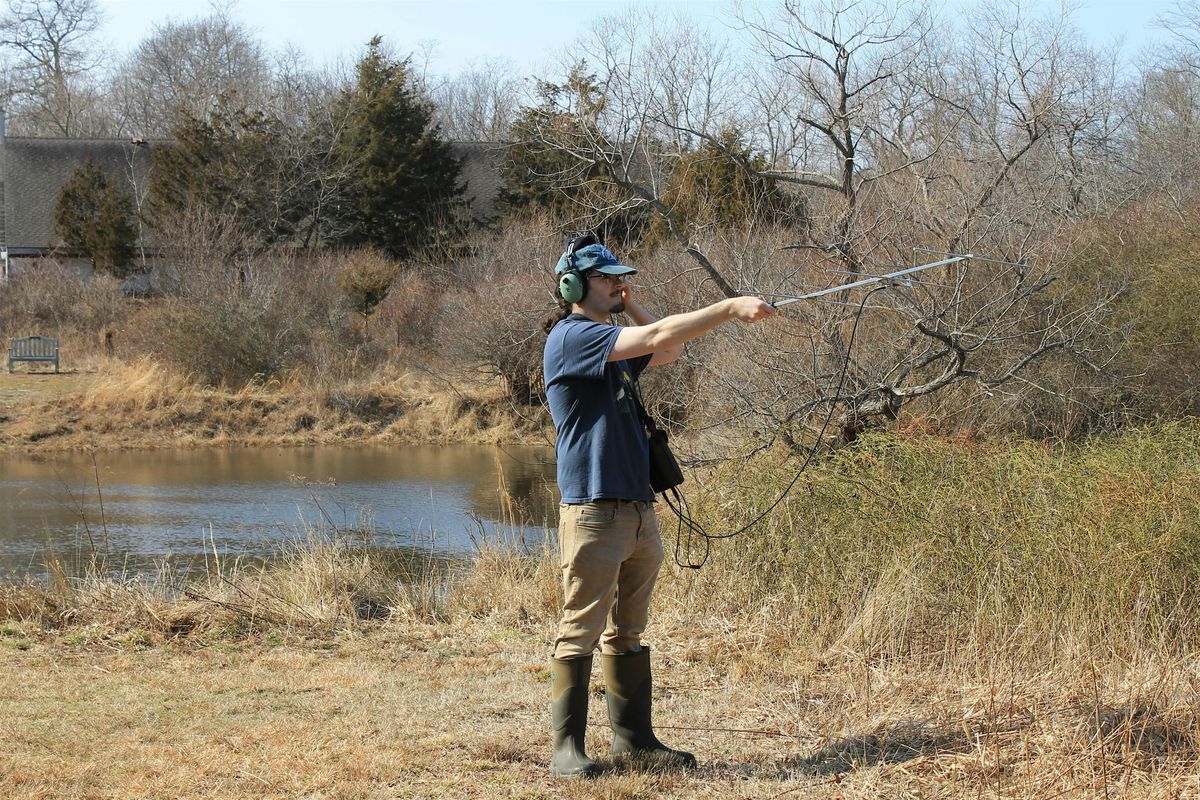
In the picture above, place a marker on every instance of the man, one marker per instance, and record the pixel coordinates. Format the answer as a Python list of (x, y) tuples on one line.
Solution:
[(608, 533)]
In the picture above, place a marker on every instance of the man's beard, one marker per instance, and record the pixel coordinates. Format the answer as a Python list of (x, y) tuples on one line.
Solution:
[(618, 308)]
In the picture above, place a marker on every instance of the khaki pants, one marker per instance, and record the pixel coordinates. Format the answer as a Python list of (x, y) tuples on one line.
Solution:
[(610, 555)]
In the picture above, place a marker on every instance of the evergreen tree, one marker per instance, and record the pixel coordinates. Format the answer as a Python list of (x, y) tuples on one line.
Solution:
[(537, 174), (405, 185), (366, 278), (229, 164), (95, 218), (542, 173), (715, 186)]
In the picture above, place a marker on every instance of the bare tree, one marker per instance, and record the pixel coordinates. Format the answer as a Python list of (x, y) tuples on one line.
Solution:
[(52, 65), (314, 121), (1163, 141), (899, 140), (184, 69), (478, 104), (1182, 24)]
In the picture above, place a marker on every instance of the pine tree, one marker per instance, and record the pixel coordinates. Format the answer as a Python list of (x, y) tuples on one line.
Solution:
[(95, 218), (539, 176), (229, 164), (405, 188), (541, 171), (716, 185)]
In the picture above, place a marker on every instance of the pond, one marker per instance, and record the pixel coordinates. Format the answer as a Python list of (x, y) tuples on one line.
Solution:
[(188, 507)]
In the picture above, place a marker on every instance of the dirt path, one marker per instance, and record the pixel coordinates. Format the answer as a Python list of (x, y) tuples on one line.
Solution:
[(34, 387)]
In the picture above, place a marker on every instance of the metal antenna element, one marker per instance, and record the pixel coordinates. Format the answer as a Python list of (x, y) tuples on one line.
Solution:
[(909, 281), (973, 258), (868, 281)]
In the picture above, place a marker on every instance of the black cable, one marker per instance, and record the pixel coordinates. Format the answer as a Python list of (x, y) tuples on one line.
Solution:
[(679, 506)]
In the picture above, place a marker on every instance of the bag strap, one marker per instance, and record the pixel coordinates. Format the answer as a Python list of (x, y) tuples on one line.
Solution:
[(647, 420)]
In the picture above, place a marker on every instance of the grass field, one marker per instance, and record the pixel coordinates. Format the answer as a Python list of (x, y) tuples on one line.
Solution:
[(922, 619), (39, 385), (460, 710)]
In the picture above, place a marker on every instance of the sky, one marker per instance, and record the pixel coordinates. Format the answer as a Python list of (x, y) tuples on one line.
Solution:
[(530, 34)]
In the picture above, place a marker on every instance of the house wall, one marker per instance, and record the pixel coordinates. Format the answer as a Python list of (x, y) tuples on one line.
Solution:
[(18, 264)]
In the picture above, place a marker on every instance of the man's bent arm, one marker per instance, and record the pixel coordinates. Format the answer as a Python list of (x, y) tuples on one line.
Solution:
[(670, 333), (643, 317)]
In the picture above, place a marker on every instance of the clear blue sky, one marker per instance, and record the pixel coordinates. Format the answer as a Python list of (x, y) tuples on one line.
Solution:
[(529, 33)]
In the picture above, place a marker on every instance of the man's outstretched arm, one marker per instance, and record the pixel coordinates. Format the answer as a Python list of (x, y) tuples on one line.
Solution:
[(669, 334)]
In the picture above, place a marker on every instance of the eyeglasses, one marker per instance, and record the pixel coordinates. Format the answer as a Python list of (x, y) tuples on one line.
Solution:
[(615, 280)]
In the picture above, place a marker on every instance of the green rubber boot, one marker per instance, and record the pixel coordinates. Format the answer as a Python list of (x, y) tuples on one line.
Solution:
[(628, 688), (568, 708)]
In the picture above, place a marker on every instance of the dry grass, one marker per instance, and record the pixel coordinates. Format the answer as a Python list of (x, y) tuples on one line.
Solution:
[(144, 405), (335, 672), (305, 698)]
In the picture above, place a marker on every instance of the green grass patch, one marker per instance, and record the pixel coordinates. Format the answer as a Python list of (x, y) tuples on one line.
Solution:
[(897, 545)]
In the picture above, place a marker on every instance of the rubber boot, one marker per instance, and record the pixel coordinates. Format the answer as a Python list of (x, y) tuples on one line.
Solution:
[(628, 688), (568, 708)]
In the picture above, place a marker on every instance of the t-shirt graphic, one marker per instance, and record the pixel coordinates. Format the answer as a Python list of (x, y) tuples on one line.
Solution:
[(625, 390), (601, 447)]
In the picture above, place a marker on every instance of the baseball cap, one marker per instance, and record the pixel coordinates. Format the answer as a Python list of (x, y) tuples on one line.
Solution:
[(597, 257)]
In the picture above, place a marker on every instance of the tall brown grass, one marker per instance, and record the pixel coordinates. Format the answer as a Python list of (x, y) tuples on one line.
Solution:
[(896, 548), (145, 404), (924, 546)]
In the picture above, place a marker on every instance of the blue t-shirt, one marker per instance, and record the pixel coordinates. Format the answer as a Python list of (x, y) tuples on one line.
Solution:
[(602, 451)]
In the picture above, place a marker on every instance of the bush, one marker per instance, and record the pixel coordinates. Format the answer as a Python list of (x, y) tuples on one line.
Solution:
[(1157, 372), (412, 315), (221, 344), (52, 300), (231, 321), (503, 297), (365, 278)]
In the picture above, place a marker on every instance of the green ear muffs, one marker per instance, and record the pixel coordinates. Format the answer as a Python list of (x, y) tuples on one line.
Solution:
[(572, 286)]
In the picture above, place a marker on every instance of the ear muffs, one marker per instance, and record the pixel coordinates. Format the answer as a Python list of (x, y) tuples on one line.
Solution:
[(572, 285)]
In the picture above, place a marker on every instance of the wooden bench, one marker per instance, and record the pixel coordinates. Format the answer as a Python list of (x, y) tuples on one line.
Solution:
[(33, 348)]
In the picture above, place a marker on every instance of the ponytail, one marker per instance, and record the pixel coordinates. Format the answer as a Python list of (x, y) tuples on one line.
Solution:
[(558, 315)]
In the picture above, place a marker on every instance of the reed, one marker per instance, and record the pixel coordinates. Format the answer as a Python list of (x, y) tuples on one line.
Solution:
[(902, 546)]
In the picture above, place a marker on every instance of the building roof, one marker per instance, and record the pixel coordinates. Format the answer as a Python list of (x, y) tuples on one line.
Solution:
[(481, 174), (32, 170)]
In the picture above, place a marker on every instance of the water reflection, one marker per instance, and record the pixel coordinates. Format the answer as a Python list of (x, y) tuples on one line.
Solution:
[(195, 504)]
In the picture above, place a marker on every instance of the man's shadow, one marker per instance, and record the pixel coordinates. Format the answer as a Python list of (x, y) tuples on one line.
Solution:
[(894, 744)]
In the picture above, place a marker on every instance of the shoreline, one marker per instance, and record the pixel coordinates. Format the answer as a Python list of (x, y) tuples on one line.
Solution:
[(143, 407), (1023, 625)]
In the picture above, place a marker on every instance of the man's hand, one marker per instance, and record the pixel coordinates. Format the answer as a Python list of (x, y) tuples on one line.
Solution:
[(750, 309), (626, 293)]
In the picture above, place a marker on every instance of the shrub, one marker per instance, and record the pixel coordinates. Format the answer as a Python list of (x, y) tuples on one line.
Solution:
[(221, 343), (230, 321), (365, 277), (52, 300), (503, 297), (412, 315)]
